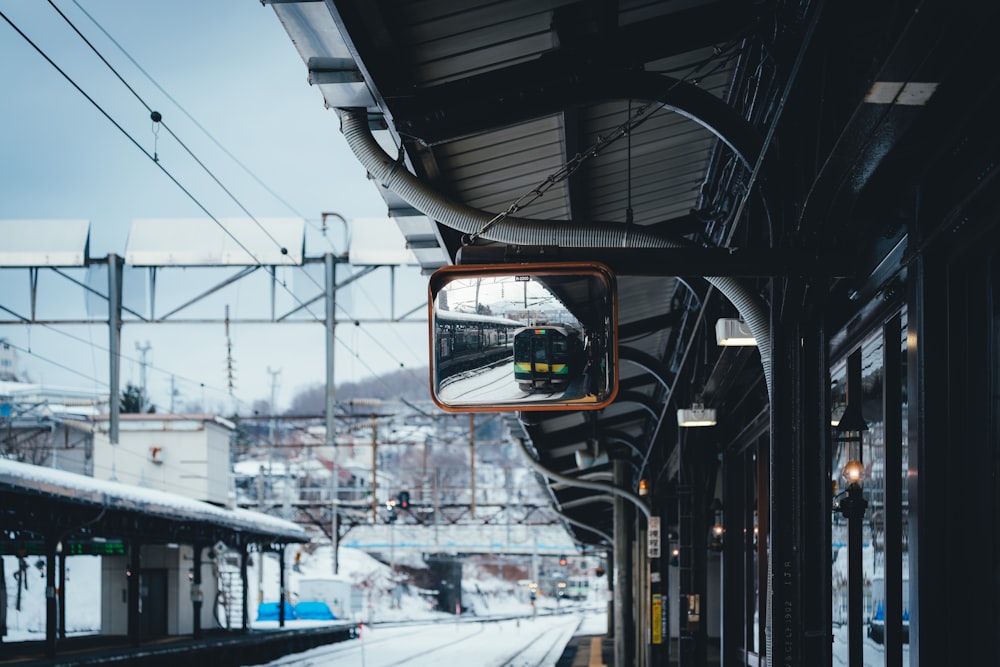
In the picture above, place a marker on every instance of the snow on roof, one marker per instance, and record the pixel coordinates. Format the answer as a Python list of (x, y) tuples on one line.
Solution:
[(115, 495), (36, 392)]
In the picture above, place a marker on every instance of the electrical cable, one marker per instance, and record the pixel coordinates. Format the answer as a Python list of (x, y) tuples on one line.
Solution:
[(125, 132), (167, 173), (189, 116), (158, 119)]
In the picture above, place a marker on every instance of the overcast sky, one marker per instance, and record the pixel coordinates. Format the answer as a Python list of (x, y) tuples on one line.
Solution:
[(231, 66)]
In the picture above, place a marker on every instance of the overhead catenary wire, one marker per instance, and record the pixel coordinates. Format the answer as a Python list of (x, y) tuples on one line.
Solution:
[(190, 117), (201, 127), (158, 120), (160, 165), (127, 135)]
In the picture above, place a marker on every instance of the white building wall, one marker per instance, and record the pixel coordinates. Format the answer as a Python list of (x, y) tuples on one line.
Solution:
[(114, 595), (178, 561), (186, 456)]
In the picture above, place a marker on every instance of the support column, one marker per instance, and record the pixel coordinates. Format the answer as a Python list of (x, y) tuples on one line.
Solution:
[(134, 565), (612, 608), (688, 605), (244, 553), (61, 590), (51, 602), (282, 592), (892, 411), (853, 508), (197, 596), (114, 344), (641, 586), (331, 405), (624, 647), (799, 516)]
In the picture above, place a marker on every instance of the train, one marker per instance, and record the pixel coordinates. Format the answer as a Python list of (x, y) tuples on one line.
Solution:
[(575, 588), (547, 357), (465, 341)]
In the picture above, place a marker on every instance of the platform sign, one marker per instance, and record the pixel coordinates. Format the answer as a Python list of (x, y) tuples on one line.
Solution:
[(653, 538), (656, 622)]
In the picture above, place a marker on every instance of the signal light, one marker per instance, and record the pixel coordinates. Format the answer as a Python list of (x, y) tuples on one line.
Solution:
[(404, 499), (562, 560)]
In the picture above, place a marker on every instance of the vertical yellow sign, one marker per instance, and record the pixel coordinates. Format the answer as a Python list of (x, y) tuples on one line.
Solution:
[(657, 620)]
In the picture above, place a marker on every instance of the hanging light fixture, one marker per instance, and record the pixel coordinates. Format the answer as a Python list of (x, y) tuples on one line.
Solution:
[(696, 415), (731, 332), (849, 431)]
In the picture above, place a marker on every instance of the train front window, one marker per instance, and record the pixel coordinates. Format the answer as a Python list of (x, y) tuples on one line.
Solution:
[(558, 346)]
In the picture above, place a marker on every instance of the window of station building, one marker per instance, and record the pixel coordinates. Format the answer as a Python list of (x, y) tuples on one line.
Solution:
[(873, 453), (838, 532), (887, 503)]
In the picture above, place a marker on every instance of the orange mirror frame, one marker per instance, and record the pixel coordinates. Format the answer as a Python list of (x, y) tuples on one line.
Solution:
[(516, 337)]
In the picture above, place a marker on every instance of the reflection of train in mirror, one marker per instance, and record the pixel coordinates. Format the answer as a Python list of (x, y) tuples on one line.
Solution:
[(547, 357), (469, 340)]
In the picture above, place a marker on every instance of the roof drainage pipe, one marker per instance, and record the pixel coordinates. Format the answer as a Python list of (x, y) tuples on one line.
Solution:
[(386, 171)]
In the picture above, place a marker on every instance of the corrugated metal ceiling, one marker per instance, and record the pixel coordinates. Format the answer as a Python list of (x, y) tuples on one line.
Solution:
[(433, 65)]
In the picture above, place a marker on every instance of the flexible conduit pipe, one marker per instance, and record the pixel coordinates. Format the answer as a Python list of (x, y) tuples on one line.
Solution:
[(583, 484), (579, 524), (524, 231)]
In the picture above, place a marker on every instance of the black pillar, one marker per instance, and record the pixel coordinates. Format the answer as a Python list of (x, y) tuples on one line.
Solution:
[(734, 550), (61, 591), (892, 410), (245, 551), (853, 508), (281, 584), (51, 602), (134, 564), (3, 601), (800, 503), (197, 596), (623, 520)]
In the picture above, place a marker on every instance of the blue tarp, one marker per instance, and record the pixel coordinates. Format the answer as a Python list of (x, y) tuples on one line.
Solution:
[(314, 611), (268, 611)]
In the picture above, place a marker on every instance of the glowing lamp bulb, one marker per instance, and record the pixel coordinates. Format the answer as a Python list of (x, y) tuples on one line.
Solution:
[(853, 472)]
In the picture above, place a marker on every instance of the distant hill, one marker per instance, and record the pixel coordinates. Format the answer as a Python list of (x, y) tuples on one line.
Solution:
[(409, 384)]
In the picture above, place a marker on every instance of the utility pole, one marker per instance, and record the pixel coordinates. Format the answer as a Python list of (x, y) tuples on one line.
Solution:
[(230, 381), (143, 349), (173, 392), (330, 438), (271, 431), (374, 470)]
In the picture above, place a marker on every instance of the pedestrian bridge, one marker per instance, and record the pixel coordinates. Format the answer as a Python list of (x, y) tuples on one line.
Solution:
[(452, 539)]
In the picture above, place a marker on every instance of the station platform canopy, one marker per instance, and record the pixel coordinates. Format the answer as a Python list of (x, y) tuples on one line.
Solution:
[(41, 501), (222, 242), (44, 242)]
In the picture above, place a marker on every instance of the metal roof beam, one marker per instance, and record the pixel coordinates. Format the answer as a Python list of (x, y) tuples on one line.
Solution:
[(542, 87)]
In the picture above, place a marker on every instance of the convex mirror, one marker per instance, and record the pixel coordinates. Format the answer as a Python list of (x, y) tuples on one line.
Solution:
[(513, 337)]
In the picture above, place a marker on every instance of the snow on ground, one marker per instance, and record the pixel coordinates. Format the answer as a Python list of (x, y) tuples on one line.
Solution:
[(26, 597), (534, 641), (386, 596)]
